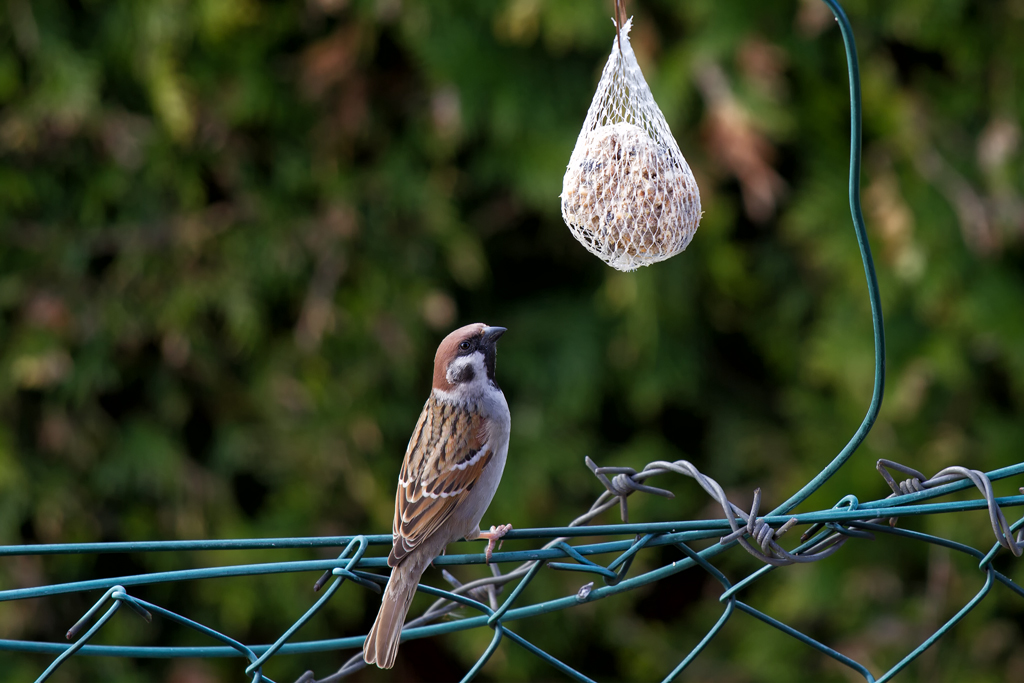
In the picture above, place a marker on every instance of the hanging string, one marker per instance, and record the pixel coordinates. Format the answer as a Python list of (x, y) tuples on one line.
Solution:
[(619, 15)]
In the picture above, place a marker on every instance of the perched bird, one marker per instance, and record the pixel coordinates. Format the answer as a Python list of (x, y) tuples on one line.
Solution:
[(451, 470)]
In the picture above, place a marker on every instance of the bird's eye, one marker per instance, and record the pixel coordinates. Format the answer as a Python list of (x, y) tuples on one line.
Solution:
[(464, 346)]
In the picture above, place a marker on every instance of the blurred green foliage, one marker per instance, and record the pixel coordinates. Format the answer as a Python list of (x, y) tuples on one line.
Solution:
[(232, 233)]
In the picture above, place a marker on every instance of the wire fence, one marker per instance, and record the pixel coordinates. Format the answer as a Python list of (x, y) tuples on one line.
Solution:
[(826, 533)]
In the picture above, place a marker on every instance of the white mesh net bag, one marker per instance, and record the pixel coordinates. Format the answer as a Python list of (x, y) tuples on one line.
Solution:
[(628, 194)]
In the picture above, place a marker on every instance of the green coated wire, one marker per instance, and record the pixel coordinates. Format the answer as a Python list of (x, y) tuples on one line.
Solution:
[(989, 578), (358, 547), (802, 637), (853, 68), (80, 643), (730, 606)]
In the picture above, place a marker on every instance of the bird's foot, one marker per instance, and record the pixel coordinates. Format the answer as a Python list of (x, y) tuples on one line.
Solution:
[(493, 537)]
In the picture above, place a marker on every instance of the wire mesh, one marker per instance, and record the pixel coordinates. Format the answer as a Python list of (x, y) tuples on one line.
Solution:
[(826, 533)]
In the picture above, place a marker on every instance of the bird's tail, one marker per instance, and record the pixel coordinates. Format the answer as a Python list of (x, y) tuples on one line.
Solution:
[(381, 645)]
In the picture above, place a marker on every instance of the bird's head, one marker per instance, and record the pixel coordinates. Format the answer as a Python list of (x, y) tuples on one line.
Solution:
[(466, 356)]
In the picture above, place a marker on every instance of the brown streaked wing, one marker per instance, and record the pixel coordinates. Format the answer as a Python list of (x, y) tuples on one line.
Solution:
[(432, 485)]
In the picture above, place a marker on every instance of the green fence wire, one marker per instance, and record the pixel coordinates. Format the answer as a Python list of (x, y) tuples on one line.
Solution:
[(827, 531)]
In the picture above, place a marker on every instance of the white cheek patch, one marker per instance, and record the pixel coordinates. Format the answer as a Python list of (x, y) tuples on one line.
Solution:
[(457, 369), (467, 370)]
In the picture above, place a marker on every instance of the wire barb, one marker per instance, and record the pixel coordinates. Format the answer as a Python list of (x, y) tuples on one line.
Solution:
[(919, 483)]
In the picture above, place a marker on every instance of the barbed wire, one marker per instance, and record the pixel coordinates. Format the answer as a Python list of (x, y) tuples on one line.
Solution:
[(827, 532)]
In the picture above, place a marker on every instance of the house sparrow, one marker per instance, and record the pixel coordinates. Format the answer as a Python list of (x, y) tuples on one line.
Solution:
[(451, 470)]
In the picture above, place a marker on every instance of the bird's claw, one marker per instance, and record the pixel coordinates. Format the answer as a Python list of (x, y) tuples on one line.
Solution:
[(493, 537)]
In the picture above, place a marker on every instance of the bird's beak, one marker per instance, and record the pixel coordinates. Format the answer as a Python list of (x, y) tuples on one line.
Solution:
[(491, 334)]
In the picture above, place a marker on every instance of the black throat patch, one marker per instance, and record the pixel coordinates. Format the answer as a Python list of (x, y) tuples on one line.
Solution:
[(465, 374)]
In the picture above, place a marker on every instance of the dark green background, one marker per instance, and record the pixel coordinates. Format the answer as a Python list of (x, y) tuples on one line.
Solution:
[(232, 233)]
